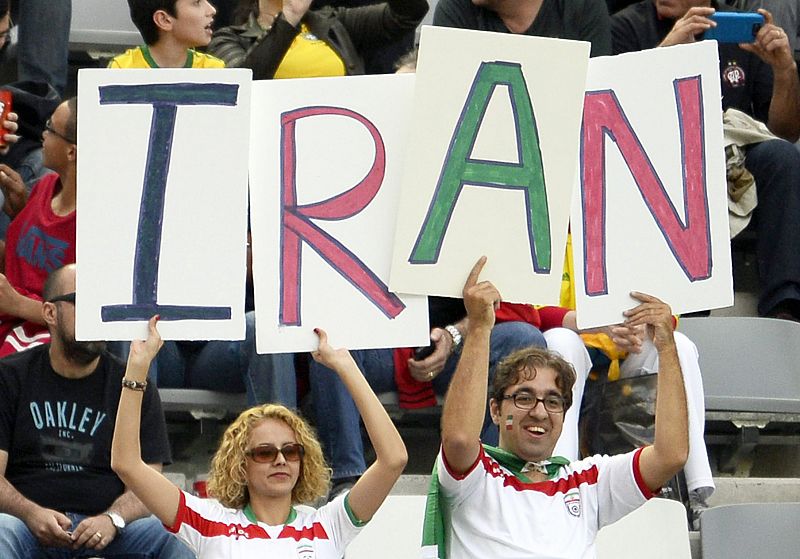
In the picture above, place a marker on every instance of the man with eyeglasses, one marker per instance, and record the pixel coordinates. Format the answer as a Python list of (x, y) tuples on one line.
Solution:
[(41, 238), (518, 500), (58, 403)]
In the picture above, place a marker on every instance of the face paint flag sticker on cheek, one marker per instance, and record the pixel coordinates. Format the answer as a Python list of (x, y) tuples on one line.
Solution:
[(509, 423)]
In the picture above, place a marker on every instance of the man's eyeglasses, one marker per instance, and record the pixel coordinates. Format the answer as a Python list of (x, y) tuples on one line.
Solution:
[(526, 401), (265, 453), (67, 298), (49, 127)]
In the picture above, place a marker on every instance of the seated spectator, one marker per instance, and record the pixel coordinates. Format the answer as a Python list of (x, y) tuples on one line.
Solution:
[(57, 407), (519, 499), (171, 30), (759, 79), (287, 40), (22, 164), (268, 462), (582, 20), (41, 238), (380, 59)]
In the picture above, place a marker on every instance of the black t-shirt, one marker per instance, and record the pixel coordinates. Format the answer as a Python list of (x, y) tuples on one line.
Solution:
[(746, 79), (58, 431), (580, 20), (445, 310)]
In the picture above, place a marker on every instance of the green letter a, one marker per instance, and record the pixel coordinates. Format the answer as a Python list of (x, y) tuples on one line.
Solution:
[(460, 169)]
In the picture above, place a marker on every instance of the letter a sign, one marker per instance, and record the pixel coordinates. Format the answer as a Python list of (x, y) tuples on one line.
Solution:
[(488, 169)]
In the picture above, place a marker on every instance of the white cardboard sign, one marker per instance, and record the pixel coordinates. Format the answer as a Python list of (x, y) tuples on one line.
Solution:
[(651, 212), (491, 163), (162, 203), (326, 158)]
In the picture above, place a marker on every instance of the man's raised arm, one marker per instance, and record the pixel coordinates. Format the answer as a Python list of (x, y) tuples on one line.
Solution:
[(670, 449), (465, 404)]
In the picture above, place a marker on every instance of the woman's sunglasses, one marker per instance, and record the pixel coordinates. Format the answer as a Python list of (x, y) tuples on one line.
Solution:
[(264, 453)]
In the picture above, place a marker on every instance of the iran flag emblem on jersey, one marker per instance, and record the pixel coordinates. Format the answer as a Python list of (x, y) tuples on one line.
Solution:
[(573, 502)]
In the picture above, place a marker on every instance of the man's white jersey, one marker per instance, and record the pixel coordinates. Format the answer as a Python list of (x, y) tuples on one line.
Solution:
[(492, 513)]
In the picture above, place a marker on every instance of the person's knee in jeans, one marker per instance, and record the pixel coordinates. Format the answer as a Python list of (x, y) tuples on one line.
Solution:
[(16, 540)]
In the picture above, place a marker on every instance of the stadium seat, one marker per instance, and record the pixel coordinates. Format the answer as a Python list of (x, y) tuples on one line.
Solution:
[(751, 380), (659, 526), (751, 530)]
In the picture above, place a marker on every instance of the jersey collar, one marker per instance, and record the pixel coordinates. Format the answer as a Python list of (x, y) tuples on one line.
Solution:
[(520, 467), (251, 516)]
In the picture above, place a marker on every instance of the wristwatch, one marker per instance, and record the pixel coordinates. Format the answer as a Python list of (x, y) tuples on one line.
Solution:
[(455, 334), (117, 521)]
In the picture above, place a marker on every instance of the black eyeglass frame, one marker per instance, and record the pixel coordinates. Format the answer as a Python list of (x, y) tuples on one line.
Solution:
[(551, 397), (48, 126), (66, 298), (272, 452)]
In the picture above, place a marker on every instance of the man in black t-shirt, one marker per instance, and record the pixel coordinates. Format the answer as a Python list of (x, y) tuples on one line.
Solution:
[(761, 80), (579, 20), (58, 405)]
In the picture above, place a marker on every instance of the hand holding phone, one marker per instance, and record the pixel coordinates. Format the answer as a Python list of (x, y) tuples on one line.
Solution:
[(422, 352)]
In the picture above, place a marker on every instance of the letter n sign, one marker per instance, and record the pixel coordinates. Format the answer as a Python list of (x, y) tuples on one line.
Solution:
[(688, 239), (165, 99)]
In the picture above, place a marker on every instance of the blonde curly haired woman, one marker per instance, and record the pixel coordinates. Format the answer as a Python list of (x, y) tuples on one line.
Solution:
[(268, 463)]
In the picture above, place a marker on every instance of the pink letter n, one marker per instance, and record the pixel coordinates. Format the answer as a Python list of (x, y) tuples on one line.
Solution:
[(690, 242)]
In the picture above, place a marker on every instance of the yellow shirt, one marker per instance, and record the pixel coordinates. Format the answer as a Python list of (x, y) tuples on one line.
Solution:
[(140, 57), (567, 297), (309, 57), (597, 341)]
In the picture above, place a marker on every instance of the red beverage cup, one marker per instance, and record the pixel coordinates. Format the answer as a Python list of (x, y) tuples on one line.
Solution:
[(5, 108), (199, 488)]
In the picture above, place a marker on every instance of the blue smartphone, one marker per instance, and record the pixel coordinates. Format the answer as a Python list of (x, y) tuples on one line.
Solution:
[(735, 27)]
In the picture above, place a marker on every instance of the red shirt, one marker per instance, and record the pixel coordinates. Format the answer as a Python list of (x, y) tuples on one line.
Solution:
[(38, 241)]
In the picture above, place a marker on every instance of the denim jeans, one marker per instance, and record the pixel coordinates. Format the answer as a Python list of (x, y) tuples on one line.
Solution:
[(224, 366), (775, 165), (229, 366), (338, 419), (43, 44), (145, 538)]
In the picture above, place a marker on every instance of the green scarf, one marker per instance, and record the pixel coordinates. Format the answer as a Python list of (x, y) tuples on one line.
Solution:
[(433, 530)]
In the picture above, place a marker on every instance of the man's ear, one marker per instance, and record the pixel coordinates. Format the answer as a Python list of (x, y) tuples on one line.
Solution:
[(163, 20), (494, 410), (72, 153), (49, 313)]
